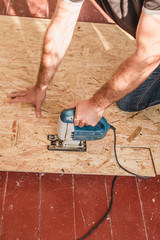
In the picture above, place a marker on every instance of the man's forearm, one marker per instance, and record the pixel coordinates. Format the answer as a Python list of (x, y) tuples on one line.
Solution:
[(44, 76), (128, 77), (54, 48), (56, 41)]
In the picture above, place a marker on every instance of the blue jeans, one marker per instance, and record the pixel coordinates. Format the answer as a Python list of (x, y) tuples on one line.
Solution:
[(146, 95)]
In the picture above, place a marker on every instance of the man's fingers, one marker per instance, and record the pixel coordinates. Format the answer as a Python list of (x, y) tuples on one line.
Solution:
[(81, 124), (76, 122), (18, 99), (17, 94), (38, 110)]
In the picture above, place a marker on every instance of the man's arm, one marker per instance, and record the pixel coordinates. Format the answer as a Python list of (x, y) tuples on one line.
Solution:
[(131, 73), (56, 42)]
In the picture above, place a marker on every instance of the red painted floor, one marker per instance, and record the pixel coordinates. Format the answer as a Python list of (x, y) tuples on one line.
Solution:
[(65, 207), (45, 9)]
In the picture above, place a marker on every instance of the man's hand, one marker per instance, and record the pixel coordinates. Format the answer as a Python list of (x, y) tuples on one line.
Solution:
[(34, 95), (87, 113)]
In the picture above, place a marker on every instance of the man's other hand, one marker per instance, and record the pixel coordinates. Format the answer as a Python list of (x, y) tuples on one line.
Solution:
[(34, 95), (87, 113)]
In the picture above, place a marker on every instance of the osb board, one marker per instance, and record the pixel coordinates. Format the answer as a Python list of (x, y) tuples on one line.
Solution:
[(94, 54)]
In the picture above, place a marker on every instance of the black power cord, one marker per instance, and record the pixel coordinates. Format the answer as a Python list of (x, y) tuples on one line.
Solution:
[(115, 153), (106, 214), (112, 188)]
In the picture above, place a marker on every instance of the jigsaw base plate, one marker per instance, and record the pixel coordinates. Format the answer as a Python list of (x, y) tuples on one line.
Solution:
[(59, 145)]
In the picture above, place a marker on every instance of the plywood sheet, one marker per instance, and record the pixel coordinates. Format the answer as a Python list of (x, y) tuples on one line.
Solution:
[(155, 151), (94, 54)]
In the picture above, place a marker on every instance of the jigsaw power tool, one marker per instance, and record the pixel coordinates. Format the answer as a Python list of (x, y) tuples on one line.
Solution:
[(73, 138)]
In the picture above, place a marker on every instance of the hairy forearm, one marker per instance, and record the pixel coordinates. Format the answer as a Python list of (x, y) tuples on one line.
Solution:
[(56, 41), (128, 77)]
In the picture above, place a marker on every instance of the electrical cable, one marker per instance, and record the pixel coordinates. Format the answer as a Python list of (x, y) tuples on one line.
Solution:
[(115, 153), (106, 214), (112, 187)]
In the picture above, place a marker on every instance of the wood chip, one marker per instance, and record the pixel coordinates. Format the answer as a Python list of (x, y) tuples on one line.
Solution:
[(134, 134)]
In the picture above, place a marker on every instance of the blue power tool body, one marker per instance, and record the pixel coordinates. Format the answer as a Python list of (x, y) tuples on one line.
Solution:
[(73, 138)]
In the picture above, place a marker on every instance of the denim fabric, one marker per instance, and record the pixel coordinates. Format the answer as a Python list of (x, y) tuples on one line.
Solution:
[(146, 95)]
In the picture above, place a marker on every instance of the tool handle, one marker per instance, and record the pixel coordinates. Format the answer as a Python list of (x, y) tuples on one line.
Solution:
[(67, 115), (87, 132), (103, 124)]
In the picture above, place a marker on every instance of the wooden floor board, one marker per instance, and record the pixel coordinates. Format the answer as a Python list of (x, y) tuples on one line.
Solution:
[(20, 216), (90, 206), (126, 216), (57, 207), (150, 198), (3, 186), (92, 58)]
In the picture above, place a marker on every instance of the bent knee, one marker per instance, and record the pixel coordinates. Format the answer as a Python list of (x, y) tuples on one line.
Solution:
[(122, 106), (127, 106)]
